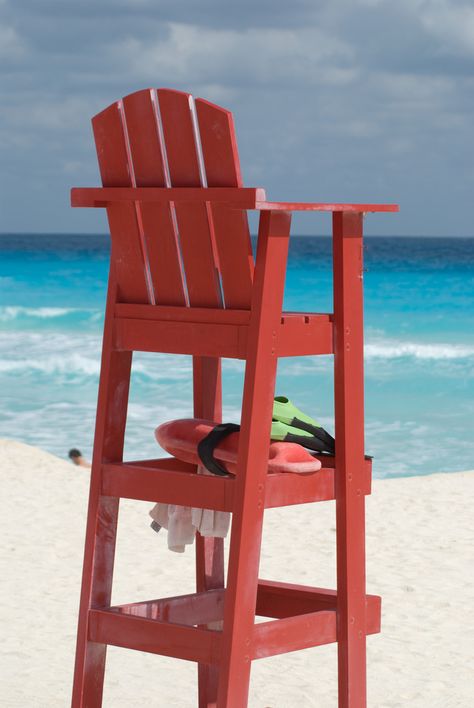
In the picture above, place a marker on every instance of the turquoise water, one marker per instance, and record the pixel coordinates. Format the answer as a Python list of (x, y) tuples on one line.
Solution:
[(419, 317)]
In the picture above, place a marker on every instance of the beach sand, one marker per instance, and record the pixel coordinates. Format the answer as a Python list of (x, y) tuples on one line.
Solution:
[(420, 543)]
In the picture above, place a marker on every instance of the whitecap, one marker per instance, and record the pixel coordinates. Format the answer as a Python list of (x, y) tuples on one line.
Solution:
[(11, 312), (394, 349)]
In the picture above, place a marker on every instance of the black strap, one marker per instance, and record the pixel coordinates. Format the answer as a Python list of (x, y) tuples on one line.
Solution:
[(208, 444)]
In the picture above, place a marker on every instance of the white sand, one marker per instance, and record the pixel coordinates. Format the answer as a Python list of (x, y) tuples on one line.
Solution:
[(420, 559)]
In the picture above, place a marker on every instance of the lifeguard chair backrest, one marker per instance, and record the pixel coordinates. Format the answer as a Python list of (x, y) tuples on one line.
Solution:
[(174, 254)]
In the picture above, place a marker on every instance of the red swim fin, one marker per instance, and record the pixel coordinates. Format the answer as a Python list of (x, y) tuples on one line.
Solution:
[(181, 439)]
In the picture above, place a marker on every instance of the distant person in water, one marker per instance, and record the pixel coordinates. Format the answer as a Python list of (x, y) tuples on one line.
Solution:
[(76, 458)]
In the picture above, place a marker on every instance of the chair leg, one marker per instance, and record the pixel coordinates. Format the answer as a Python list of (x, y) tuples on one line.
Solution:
[(101, 525), (209, 575), (239, 617), (349, 418), (96, 592), (209, 551), (249, 498)]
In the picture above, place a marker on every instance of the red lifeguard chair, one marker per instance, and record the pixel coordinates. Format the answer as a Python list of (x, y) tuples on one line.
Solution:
[(183, 280)]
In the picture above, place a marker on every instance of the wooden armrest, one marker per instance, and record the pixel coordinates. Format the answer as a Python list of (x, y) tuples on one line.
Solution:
[(310, 206)]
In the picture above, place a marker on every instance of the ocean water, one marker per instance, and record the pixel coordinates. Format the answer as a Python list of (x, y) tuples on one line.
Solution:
[(419, 350)]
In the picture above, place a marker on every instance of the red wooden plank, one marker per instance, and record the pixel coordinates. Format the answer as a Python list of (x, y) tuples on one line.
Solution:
[(334, 207), (195, 608), (200, 339), (240, 198), (196, 239), (168, 486), (287, 489), (158, 227), (189, 643), (231, 230), (349, 425), (210, 315), (127, 254), (276, 599), (293, 633), (300, 336)]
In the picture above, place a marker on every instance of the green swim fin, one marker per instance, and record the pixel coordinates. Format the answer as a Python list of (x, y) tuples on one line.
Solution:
[(298, 424)]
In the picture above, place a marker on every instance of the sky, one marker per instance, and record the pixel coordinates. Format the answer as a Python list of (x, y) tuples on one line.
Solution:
[(334, 100)]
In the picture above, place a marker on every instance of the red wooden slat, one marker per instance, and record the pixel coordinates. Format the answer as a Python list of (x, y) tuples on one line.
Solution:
[(191, 643), (195, 234), (200, 339), (221, 161), (238, 197), (293, 633), (156, 219), (179, 314), (127, 257), (334, 207), (195, 608), (277, 599), (299, 337), (168, 486)]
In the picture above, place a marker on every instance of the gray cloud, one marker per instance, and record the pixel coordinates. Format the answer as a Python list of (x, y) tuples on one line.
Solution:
[(337, 100)]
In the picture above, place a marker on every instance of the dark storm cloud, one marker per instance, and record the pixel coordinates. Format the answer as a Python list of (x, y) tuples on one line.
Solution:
[(338, 100)]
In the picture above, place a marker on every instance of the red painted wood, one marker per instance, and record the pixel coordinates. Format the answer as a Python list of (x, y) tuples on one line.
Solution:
[(102, 512), (207, 394), (211, 236), (156, 219), (305, 334), (293, 633), (193, 609), (174, 482), (333, 207), (201, 339), (349, 424), (167, 486), (196, 238), (208, 315), (277, 599), (231, 230), (190, 643), (240, 198), (260, 373), (127, 252)]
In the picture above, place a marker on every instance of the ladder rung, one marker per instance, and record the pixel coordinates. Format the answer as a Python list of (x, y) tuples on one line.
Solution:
[(293, 633), (301, 631), (173, 626), (195, 609), (278, 600), (179, 641)]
